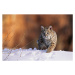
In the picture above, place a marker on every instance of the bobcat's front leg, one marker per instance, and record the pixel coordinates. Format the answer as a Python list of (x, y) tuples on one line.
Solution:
[(51, 47)]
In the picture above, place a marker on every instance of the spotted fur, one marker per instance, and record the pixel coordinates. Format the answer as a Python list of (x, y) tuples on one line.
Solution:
[(47, 39)]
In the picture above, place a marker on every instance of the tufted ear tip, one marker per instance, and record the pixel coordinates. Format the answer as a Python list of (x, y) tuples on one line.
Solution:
[(50, 27), (42, 27)]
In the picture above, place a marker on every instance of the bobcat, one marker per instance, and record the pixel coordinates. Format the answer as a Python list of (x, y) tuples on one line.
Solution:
[(47, 39)]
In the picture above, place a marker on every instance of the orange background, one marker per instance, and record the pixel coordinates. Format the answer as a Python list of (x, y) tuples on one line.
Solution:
[(22, 31)]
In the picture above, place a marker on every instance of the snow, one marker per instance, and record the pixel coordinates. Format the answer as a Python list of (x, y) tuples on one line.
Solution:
[(35, 55)]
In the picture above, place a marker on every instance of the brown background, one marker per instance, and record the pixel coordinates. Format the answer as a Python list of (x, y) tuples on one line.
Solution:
[(22, 31)]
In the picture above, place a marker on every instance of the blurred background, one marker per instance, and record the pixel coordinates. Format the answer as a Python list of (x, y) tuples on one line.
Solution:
[(22, 31)]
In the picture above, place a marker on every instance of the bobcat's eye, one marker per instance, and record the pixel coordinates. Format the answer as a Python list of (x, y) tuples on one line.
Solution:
[(46, 33)]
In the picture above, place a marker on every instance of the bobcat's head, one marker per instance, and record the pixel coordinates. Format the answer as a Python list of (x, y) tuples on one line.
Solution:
[(46, 32)]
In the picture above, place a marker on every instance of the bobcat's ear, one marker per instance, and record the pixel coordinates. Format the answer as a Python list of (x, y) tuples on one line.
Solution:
[(42, 27), (50, 27)]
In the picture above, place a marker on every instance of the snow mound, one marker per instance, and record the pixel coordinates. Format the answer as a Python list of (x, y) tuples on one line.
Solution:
[(35, 55)]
